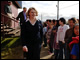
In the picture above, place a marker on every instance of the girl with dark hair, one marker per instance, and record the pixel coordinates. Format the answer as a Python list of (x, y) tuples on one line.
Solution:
[(53, 35), (74, 44), (60, 37), (44, 34), (48, 34), (53, 38)]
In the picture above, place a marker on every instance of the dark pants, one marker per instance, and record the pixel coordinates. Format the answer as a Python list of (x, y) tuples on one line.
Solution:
[(56, 53), (21, 26), (68, 52), (45, 40), (68, 55), (51, 48), (62, 46), (33, 52)]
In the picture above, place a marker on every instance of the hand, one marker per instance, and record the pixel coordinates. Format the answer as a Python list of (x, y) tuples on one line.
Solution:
[(17, 21), (63, 42), (47, 41), (25, 49)]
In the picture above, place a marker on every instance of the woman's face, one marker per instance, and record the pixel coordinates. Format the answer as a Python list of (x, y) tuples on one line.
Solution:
[(76, 30), (32, 13)]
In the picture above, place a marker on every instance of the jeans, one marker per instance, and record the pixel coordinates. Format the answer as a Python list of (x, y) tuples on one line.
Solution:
[(45, 40), (56, 53), (68, 52), (51, 48), (62, 46)]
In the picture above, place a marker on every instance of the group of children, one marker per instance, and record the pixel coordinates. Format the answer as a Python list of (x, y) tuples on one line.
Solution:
[(55, 35)]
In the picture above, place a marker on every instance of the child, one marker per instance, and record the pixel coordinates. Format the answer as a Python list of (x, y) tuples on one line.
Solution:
[(74, 44), (60, 37), (44, 34), (48, 34), (55, 46)]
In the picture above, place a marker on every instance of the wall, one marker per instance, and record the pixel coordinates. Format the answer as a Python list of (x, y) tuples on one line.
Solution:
[(3, 3), (15, 13)]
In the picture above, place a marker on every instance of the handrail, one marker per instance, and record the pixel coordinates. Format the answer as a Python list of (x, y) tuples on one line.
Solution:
[(9, 17), (14, 19)]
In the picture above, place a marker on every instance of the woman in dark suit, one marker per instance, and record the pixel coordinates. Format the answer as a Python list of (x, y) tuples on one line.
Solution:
[(32, 35)]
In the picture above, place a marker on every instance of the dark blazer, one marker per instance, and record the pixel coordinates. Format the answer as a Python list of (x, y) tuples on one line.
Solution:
[(32, 35), (21, 16)]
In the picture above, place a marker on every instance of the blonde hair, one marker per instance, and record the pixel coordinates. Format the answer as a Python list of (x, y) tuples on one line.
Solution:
[(30, 10)]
